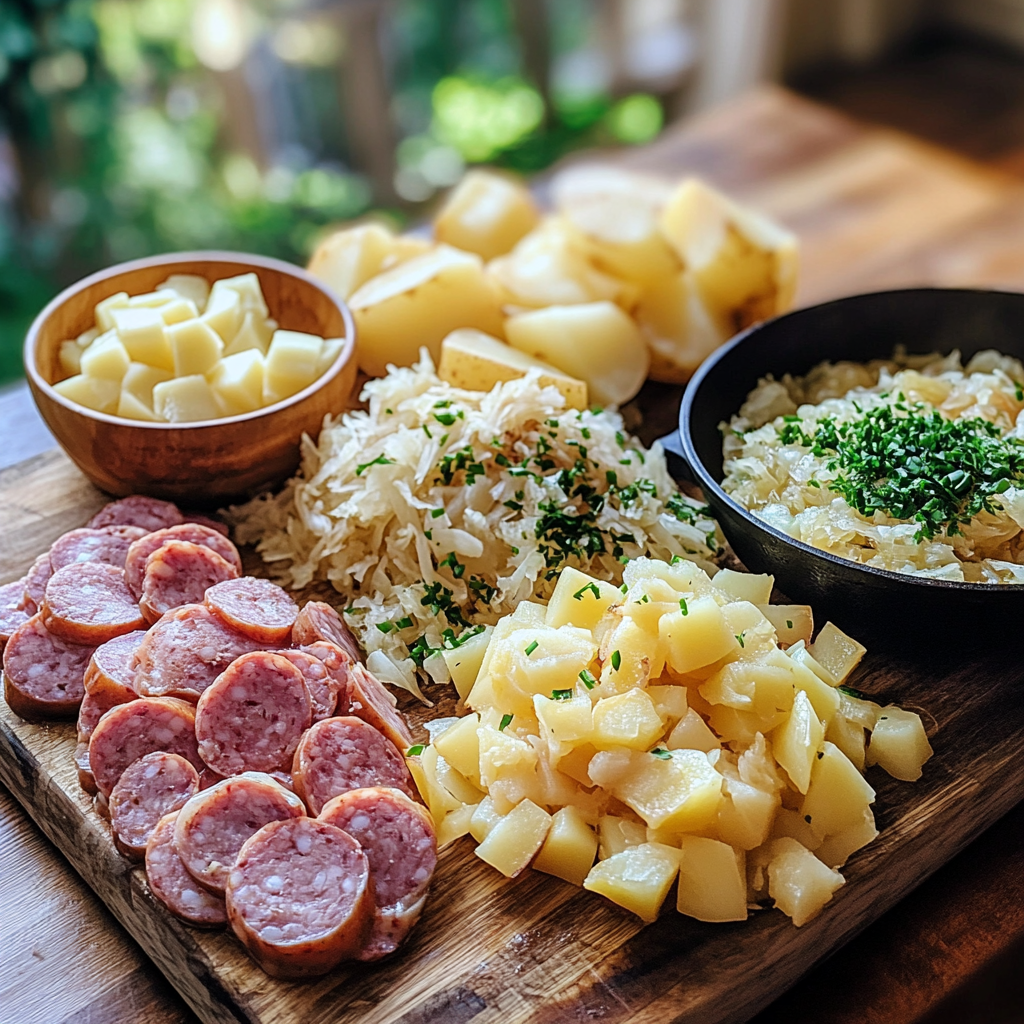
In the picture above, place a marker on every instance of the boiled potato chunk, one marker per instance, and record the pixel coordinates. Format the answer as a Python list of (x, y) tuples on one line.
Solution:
[(640, 656), (142, 331), (140, 380), (105, 310), (97, 393), (473, 360), (596, 342), (692, 733), (459, 745), (568, 722), (486, 213), (698, 637), (570, 847), (836, 652), (580, 600), (246, 287), (346, 260), (464, 661), (237, 382), (638, 878), (792, 622), (671, 703), (70, 357), (255, 332), (417, 304), (178, 309), (849, 738), (712, 881), (195, 347), (899, 744), (189, 286), (617, 834), (501, 750), (585, 184), (513, 841), (626, 720), (483, 819), (745, 586), (764, 685), (799, 883), (796, 742), (185, 400), (836, 850), (224, 312), (745, 814), (837, 795), (130, 408), (106, 357), (438, 799), (292, 364), (455, 824)]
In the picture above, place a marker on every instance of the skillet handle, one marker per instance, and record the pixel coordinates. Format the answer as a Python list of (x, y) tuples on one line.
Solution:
[(678, 467)]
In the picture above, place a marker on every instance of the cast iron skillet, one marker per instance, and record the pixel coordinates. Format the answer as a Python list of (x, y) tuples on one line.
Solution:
[(877, 604)]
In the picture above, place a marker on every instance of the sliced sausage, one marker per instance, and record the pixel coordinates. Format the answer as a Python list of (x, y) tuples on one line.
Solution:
[(319, 621), (86, 779), (12, 609), (108, 544), (180, 573), (322, 687), (130, 731), (89, 603), (109, 675), (89, 715), (399, 841), (35, 583), (185, 651), (339, 754), (194, 533), (174, 886), (149, 788), (369, 700), (253, 716), (213, 524), (148, 514), (43, 675), (214, 824), (299, 898), (254, 606)]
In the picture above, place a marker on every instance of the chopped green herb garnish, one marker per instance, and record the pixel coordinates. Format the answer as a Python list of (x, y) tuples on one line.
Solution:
[(429, 534), (385, 627), (616, 660), (739, 639), (403, 623), (533, 646), (591, 587), (813, 483), (561, 694), (451, 562), (682, 606), (446, 419), (426, 430), (624, 588), (588, 680), (789, 623), (1018, 391), (436, 513), (662, 753), (506, 721), (381, 460), (852, 692), (415, 751)]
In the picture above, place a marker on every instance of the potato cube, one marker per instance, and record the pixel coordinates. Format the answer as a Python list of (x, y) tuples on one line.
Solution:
[(697, 638), (670, 702), (744, 586), (106, 357), (764, 685), (798, 882), (189, 286), (626, 720), (255, 332), (796, 742), (638, 878), (455, 782), (836, 850), (423, 768), (195, 347), (849, 738), (899, 744), (792, 622), (595, 341), (237, 381), (569, 722), (142, 331), (291, 364), (70, 357), (105, 310), (455, 824), (745, 814), (617, 834), (224, 312), (692, 733), (837, 795), (499, 750), (246, 287), (154, 299), (569, 849), (632, 655), (514, 841), (592, 182), (419, 303), (98, 393), (328, 354), (177, 310), (464, 661), (484, 818), (836, 652), (486, 213), (185, 400), (823, 697), (790, 824), (712, 881), (575, 763), (580, 600), (130, 408), (140, 380), (460, 747), (346, 260)]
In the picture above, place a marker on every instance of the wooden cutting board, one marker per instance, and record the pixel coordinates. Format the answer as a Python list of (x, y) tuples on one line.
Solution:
[(536, 949)]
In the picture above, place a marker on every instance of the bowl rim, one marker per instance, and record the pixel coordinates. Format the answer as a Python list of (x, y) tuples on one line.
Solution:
[(36, 379), (707, 482)]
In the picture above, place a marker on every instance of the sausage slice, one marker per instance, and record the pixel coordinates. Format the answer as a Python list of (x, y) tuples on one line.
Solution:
[(319, 621), (89, 603), (179, 573), (174, 886), (137, 510), (43, 675), (194, 533)]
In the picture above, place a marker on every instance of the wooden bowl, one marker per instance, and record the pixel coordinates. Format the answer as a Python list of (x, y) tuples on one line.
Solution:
[(210, 461)]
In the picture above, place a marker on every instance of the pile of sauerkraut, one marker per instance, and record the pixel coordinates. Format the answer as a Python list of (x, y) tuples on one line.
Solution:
[(786, 485), (439, 510)]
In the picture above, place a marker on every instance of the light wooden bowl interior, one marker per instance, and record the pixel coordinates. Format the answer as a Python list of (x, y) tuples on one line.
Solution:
[(204, 463)]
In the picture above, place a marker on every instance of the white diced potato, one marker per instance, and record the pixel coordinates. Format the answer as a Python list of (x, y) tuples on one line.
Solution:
[(486, 213), (849, 738), (291, 364), (697, 638), (483, 819), (195, 347), (237, 380), (464, 661), (455, 824), (753, 632), (671, 703), (640, 656), (185, 400), (570, 847), (595, 341), (796, 742), (177, 310), (837, 795), (105, 310), (745, 814), (899, 744), (328, 354), (142, 331), (70, 357), (744, 586), (189, 286), (712, 881), (255, 332), (224, 312), (140, 380), (616, 834), (836, 652), (246, 287), (151, 300), (792, 622), (791, 824), (836, 850), (764, 685), (130, 408), (638, 878), (97, 393), (569, 722), (684, 576), (455, 782), (514, 841), (459, 745), (419, 303), (439, 800), (580, 600), (87, 337), (626, 720), (588, 183), (692, 733), (823, 697), (798, 882), (501, 750), (346, 260)]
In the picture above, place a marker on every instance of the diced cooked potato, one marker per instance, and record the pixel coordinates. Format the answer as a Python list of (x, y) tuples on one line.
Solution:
[(513, 841), (792, 622), (105, 310), (237, 381), (764, 685), (177, 310), (824, 698), (798, 882), (130, 408), (195, 347), (712, 881), (483, 819), (246, 287), (98, 393), (185, 400), (417, 304), (160, 297), (71, 357), (189, 286), (566, 722), (473, 360), (224, 312), (596, 342), (836, 652), (638, 878), (486, 213), (849, 738), (423, 768), (455, 824), (500, 750), (255, 332), (671, 703), (580, 600), (142, 332), (692, 733), (745, 814), (616, 834), (899, 744), (459, 745), (570, 847), (589, 183), (796, 742), (291, 364), (837, 795), (626, 720), (140, 380), (106, 357), (465, 660), (346, 260), (836, 850), (745, 586), (698, 637), (641, 654)]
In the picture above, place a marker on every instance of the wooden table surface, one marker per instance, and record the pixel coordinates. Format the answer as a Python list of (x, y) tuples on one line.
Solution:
[(873, 209)]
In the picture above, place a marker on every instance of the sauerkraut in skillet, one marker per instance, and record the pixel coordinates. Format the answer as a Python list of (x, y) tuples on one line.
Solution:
[(915, 464)]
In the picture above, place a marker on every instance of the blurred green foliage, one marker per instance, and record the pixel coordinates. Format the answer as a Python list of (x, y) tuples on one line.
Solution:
[(115, 140)]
